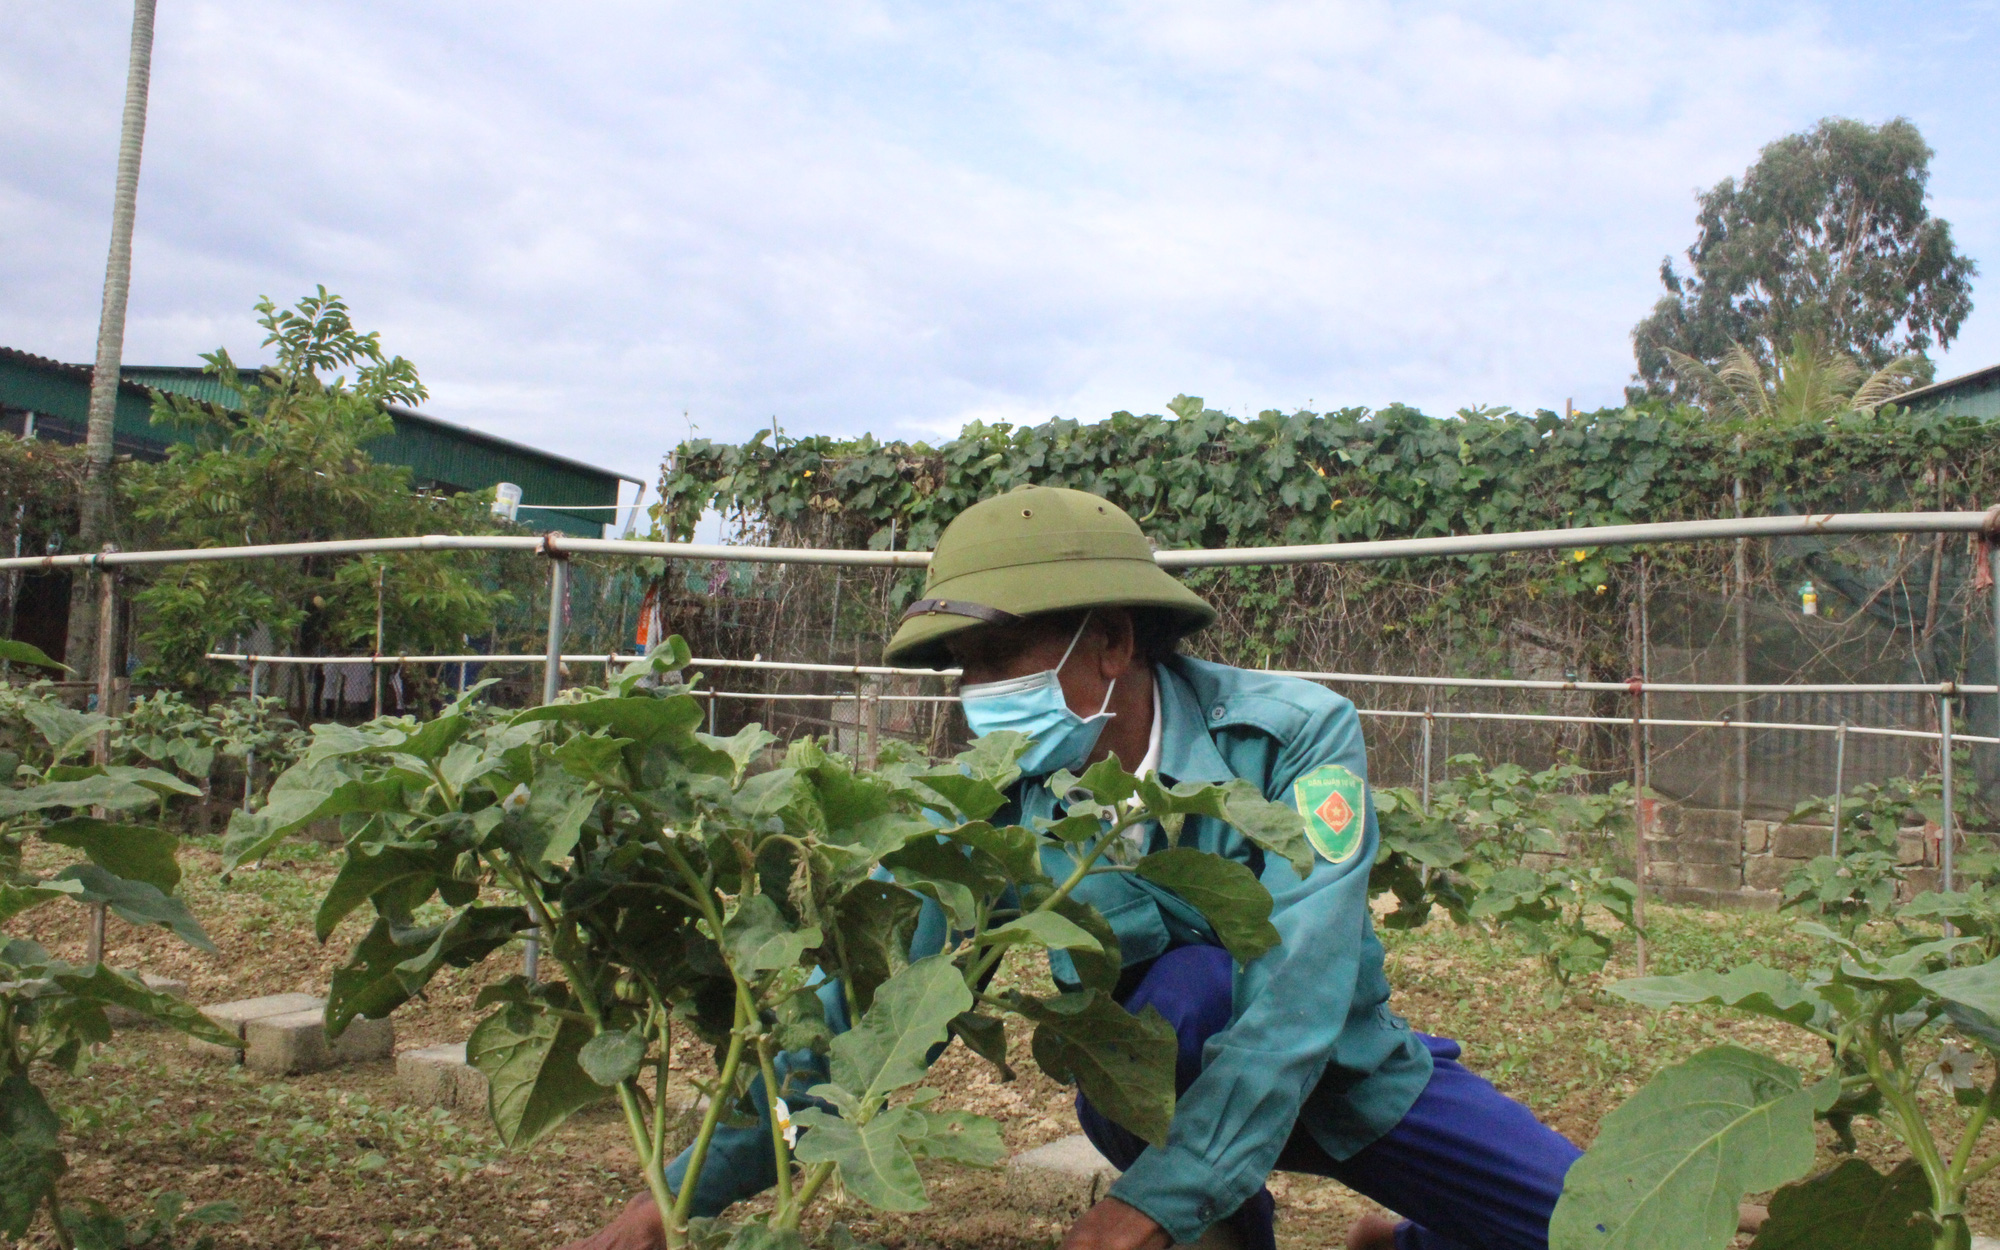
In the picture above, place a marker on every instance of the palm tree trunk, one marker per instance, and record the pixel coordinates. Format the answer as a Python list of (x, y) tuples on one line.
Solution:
[(96, 519)]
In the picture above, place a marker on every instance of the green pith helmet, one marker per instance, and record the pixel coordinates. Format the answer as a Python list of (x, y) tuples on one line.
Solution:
[(1036, 549)]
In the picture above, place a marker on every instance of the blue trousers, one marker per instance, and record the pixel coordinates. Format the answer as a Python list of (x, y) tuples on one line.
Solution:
[(1469, 1168)]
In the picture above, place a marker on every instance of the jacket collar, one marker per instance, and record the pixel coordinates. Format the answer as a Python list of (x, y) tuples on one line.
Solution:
[(1187, 753)]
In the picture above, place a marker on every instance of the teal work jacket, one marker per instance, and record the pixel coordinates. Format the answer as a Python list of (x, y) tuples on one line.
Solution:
[(1311, 1040)]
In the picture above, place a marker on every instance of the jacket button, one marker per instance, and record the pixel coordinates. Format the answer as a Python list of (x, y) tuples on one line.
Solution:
[(1207, 1209), (1217, 713)]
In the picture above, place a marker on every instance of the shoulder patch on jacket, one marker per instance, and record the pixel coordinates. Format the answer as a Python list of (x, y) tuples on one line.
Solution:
[(1333, 802)]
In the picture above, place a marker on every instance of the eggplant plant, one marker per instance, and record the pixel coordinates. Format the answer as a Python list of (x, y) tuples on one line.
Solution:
[(52, 1011), (1490, 849), (768, 902), (1668, 1168)]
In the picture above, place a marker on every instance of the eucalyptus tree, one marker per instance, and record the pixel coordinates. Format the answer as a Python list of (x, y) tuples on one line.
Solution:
[(1827, 236)]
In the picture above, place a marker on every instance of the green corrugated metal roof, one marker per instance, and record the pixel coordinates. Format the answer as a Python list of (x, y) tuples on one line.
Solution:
[(436, 452)]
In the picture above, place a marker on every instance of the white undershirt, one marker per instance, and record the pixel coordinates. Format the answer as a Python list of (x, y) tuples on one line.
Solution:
[(1151, 764)]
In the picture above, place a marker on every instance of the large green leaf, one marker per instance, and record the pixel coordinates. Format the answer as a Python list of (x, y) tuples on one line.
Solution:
[(137, 902), (888, 1047), (112, 793), (1752, 987), (1236, 904), (528, 1052), (66, 730), (1045, 929), (960, 1137), (15, 899), (365, 873), (1015, 849), (760, 939), (1977, 987), (1124, 1063), (874, 920), (389, 965), (28, 653), (1276, 827), (875, 1164), (1669, 1167), (612, 1057), (1095, 971), (111, 987), (136, 852), (1852, 1207), (646, 720), (971, 797), (30, 1155), (306, 792), (545, 832)]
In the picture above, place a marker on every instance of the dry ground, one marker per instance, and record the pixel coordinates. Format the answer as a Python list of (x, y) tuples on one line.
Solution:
[(336, 1160)]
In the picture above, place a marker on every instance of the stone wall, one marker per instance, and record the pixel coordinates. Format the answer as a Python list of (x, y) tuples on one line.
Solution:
[(1712, 858)]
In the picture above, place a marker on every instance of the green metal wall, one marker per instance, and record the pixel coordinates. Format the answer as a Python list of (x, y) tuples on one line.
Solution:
[(435, 452), (1979, 397)]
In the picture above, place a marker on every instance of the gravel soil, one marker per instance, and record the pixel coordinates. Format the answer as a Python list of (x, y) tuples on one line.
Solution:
[(338, 1160)]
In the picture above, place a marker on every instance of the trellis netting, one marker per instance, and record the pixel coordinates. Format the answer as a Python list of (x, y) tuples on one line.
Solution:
[(1887, 609)]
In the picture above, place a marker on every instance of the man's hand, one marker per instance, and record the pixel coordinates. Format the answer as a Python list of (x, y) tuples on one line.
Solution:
[(1112, 1225), (638, 1227)]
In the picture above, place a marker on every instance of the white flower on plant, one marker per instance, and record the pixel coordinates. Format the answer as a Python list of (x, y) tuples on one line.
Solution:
[(783, 1115), (1953, 1068), (516, 800)]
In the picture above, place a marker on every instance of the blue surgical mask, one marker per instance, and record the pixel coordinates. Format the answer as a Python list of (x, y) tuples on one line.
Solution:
[(1034, 706)]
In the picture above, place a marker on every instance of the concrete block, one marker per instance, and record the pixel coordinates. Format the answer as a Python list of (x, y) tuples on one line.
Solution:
[(1765, 873), (440, 1076), (1912, 847), (1713, 876), (236, 1016), (126, 1018), (1920, 879), (1756, 837), (297, 1042), (1710, 851), (1702, 822), (1801, 841)]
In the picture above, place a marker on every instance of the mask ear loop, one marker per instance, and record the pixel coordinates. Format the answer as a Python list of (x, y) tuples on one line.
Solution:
[(1085, 624)]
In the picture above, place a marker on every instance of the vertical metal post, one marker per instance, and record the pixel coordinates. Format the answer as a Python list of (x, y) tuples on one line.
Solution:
[(1640, 852), (711, 713), (874, 746), (1742, 646), (107, 650), (250, 753), (375, 667), (531, 957), (1424, 790), (1944, 744), (1839, 780)]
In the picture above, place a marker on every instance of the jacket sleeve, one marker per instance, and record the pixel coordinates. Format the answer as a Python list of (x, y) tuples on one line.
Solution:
[(1290, 1006)]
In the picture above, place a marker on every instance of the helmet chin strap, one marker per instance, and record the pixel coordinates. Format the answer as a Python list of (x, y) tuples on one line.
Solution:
[(1076, 638)]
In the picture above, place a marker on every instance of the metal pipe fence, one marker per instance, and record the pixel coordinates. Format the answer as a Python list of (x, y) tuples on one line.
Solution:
[(557, 548)]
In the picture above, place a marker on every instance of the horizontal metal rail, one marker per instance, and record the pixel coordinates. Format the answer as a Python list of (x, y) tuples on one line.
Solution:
[(1383, 679), (1581, 538), (1804, 727), (862, 670)]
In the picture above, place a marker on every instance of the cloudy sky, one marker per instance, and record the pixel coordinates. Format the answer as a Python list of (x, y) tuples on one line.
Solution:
[(594, 225)]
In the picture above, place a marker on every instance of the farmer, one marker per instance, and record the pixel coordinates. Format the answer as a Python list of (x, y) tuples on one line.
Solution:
[(1065, 629)]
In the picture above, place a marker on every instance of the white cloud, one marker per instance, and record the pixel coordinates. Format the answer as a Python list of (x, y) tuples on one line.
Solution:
[(583, 221)]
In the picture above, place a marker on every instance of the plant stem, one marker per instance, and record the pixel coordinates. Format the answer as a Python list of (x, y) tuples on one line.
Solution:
[(1973, 1127), (779, 1149), (816, 1177), (976, 971), (64, 1238), (698, 1154)]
